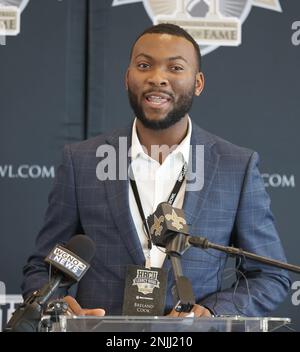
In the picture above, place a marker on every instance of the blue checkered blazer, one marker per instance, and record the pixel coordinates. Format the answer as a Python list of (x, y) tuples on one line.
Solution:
[(232, 208)]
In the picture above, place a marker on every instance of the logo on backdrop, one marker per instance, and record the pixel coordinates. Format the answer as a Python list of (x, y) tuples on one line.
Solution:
[(2, 292), (7, 306), (10, 18), (26, 171), (279, 180), (212, 23)]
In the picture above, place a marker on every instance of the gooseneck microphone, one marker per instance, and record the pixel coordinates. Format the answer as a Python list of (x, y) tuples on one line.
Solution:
[(69, 263)]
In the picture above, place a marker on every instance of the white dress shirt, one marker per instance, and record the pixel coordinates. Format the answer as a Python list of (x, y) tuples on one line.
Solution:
[(155, 183)]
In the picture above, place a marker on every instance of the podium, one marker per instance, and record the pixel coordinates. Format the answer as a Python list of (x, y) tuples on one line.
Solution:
[(162, 324)]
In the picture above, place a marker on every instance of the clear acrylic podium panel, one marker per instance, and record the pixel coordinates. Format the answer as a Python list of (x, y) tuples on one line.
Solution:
[(167, 324)]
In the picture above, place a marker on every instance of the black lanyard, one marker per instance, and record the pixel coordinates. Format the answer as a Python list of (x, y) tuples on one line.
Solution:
[(171, 199)]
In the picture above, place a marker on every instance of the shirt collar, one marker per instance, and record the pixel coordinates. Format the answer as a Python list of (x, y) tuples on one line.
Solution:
[(183, 148)]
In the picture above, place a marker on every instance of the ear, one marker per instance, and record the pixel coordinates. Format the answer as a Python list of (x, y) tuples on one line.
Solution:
[(126, 79), (199, 84)]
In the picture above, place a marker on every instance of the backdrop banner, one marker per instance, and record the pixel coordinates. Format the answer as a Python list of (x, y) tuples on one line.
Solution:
[(62, 81)]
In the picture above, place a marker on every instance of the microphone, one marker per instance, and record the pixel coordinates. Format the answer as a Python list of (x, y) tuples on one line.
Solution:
[(166, 223), (70, 263)]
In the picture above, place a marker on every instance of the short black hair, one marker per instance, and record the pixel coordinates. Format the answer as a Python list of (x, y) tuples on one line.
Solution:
[(172, 29)]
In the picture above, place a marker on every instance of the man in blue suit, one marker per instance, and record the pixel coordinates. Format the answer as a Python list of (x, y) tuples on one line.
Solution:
[(229, 205)]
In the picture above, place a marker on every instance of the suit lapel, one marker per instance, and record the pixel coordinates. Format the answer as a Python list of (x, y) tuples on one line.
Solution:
[(118, 201), (194, 199)]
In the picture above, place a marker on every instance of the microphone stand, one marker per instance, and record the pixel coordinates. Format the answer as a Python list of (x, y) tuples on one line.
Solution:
[(202, 242), (183, 295), (164, 226), (28, 315)]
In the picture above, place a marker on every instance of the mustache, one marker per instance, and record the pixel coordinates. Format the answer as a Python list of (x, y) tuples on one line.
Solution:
[(153, 91)]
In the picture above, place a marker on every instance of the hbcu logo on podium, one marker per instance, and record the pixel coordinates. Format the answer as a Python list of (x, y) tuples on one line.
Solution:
[(212, 23)]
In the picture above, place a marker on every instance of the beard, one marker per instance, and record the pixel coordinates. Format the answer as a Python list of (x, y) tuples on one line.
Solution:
[(180, 109)]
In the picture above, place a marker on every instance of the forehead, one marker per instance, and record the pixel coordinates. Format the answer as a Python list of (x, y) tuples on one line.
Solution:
[(164, 46)]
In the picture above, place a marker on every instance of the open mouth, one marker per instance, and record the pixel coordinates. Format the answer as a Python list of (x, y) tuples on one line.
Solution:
[(157, 100)]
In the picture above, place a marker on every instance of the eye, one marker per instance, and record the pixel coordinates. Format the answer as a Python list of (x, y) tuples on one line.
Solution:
[(143, 66), (176, 68)]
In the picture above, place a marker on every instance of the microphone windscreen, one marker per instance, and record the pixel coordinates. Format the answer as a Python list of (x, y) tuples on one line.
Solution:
[(82, 246)]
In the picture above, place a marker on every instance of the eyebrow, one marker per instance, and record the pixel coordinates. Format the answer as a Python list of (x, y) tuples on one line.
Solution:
[(169, 58)]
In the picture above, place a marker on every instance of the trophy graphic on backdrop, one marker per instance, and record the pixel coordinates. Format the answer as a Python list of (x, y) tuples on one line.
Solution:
[(10, 17), (9, 20), (214, 29)]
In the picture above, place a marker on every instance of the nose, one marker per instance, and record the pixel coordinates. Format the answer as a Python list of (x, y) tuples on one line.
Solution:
[(157, 78)]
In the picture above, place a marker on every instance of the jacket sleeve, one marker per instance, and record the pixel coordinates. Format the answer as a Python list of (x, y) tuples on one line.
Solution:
[(61, 222), (259, 288)]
